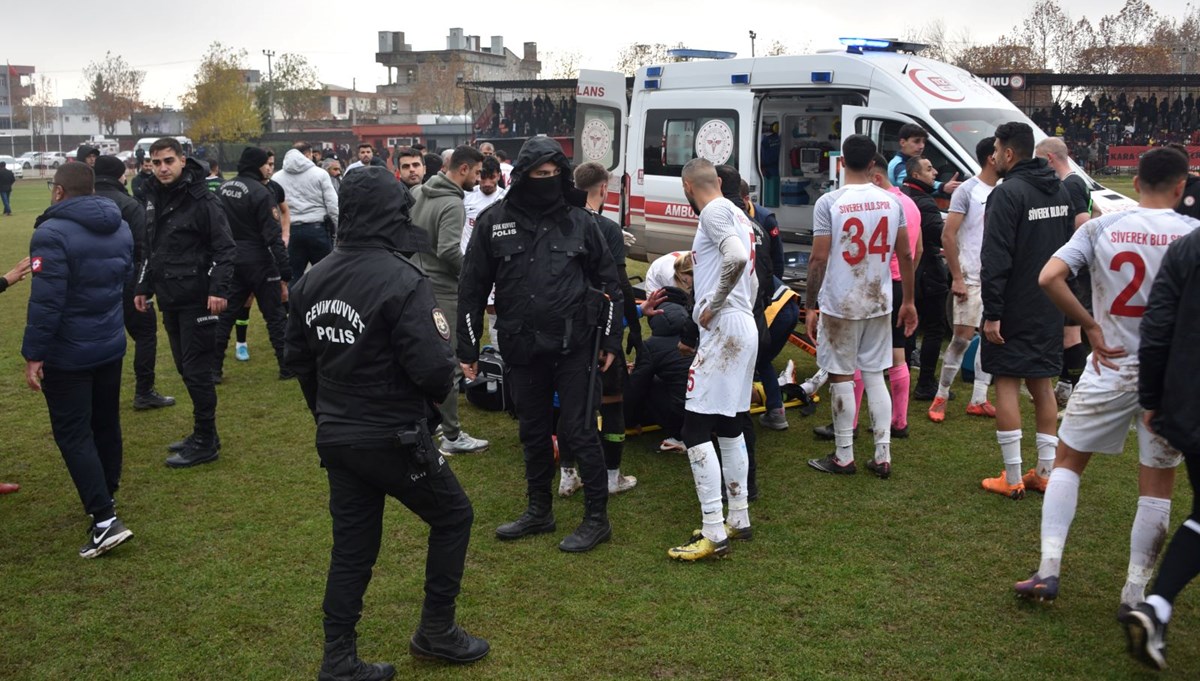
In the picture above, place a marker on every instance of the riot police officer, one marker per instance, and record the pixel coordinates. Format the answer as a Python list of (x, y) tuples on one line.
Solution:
[(372, 354), (261, 266), (549, 264)]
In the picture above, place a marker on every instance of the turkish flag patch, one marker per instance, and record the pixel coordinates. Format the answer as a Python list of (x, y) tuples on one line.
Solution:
[(35, 265)]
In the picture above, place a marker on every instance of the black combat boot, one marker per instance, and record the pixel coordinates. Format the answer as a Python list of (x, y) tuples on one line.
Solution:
[(593, 531), (341, 663), (537, 519), (439, 638), (203, 447)]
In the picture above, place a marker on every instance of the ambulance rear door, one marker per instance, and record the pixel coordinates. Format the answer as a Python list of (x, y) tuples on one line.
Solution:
[(601, 115)]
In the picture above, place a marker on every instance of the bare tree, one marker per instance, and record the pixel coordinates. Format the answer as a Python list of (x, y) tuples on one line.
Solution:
[(114, 93), (437, 90), (562, 64), (777, 48), (633, 57)]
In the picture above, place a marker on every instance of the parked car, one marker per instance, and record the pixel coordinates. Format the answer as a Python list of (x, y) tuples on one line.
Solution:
[(14, 165), (28, 159), (50, 159)]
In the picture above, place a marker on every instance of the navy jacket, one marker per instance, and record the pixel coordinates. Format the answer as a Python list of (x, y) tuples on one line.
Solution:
[(81, 255)]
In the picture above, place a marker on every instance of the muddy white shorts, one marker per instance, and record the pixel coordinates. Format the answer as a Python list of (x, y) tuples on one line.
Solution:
[(968, 312), (722, 372), (847, 345), (1097, 420)]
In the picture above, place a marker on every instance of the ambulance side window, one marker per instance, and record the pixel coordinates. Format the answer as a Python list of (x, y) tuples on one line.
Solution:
[(886, 134), (676, 136)]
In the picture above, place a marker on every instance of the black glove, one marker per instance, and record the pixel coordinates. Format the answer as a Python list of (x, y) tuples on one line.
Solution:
[(634, 340)]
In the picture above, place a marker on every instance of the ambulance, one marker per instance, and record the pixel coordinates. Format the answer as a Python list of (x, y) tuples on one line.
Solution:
[(781, 122)]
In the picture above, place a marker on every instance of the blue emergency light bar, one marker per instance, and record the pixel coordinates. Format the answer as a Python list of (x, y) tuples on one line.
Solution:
[(822, 76), (654, 72), (651, 84), (740, 79), (858, 45), (867, 43)]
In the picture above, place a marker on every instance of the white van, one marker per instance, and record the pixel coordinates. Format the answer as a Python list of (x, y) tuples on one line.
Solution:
[(781, 122), (145, 143)]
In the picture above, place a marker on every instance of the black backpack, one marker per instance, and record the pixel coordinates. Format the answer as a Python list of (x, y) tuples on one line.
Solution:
[(490, 391)]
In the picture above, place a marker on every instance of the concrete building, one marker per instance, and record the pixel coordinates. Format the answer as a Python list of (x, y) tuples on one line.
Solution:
[(18, 80), (416, 78)]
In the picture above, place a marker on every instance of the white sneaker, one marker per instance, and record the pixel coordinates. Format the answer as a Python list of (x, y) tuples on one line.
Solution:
[(672, 445), (569, 483), (788, 375), (623, 483), (464, 444)]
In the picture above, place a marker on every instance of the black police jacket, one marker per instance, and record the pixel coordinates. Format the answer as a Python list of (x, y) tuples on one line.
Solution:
[(543, 263), (189, 250), (1167, 359), (254, 223), (132, 212), (365, 337)]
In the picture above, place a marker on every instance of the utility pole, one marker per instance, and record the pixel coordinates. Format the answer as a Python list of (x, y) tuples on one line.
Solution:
[(753, 35), (270, 93)]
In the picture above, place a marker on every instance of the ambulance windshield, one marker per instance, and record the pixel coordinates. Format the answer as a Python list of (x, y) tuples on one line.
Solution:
[(968, 126)]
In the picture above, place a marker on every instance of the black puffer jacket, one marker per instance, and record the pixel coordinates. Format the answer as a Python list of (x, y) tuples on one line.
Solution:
[(189, 250), (932, 276), (365, 336), (1028, 218), (1167, 357), (543, 261)]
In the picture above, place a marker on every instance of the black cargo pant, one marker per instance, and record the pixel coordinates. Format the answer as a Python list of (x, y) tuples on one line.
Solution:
[(533, 388), (192, 332), (361, 477), (85, 416), (143, 329), (262, 280)]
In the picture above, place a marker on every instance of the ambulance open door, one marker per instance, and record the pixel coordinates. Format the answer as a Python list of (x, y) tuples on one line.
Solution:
[(601, 113)]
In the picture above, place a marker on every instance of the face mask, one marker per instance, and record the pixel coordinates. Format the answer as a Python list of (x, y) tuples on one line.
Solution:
[(541, 191)]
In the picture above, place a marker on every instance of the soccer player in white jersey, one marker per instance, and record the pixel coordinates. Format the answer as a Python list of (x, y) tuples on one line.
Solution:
[(962, 239), (722, 372), (855, 231), (1124, 251), (485, 194)]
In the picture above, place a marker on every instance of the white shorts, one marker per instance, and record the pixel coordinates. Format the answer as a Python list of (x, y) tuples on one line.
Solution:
[(847, 345), (968, 312), (1097, 420), (722, 372)]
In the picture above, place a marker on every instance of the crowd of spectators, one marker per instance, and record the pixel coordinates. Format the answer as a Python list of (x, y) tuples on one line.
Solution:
[(1094, 124), (529, 116)]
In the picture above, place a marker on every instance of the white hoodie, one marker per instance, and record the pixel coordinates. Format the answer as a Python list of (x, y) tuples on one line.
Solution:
[(309, 190)]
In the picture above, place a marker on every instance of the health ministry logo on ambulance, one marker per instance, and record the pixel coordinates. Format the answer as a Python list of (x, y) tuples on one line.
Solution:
[(938, 86)]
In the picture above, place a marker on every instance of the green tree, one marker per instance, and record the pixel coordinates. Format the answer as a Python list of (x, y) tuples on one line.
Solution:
[(114, 90), (299, 94), (219, 105)]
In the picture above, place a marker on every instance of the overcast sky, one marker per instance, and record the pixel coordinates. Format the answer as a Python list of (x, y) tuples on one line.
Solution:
[(168, 39)]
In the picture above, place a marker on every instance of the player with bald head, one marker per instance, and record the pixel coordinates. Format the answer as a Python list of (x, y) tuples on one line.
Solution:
[(722, 372)]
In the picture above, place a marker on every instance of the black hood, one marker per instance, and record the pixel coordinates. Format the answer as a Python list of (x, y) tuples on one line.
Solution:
[(731, 185), (535, 152), (84, 151), (252, 161), (374, 211), (1036, 172)]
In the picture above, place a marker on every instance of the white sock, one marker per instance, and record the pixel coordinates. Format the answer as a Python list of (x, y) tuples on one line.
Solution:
[(241, 345), (614, 474), (1058, 510), (735, 466), (842, 395), (1161, 607), (104, 524), (1146, 541), (982, 380), (879, 400), (951, 362), (706, 472), (1010, 451), (1047, 445)]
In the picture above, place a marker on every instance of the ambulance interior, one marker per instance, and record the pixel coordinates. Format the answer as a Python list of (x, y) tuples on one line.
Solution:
[(799, 137)]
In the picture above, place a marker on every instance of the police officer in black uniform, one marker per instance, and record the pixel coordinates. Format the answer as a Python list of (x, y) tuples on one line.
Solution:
[(189, 263), (552, 271), (372, 353), (261, 265)]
